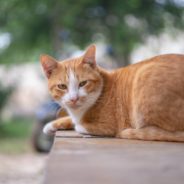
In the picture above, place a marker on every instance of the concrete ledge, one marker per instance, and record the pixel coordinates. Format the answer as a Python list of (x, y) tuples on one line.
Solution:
[(78, 160)]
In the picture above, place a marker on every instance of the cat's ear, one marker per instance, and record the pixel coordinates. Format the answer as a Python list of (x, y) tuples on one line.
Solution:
[(90, 56), (48, 64)]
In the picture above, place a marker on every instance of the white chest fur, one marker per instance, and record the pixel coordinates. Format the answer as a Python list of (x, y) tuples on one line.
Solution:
[(76, 116)]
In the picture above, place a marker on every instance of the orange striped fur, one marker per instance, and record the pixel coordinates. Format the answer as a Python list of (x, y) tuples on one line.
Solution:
[(141, 101)]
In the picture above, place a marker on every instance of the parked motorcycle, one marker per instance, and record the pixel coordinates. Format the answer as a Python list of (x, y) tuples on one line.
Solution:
[(46, 113)]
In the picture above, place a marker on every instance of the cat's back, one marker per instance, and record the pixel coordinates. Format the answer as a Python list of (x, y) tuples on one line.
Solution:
[(151, 74), (171, 60), (164, 57), (158, 91), (163, 68)]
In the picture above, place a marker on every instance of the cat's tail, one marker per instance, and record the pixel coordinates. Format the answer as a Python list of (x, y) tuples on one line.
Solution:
[(152, 133)]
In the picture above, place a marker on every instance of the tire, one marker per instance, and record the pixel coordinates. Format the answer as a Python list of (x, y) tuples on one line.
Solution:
[(40, 142)]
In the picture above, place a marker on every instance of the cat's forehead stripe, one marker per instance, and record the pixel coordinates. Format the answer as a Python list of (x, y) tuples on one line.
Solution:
[(72, 74), (72, 67), (66, 73), (74, 70)]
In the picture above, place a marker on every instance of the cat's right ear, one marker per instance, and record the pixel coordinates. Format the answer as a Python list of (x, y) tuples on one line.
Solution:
[(48, 64)]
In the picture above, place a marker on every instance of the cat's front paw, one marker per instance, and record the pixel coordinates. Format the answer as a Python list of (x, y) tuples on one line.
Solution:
[(49, 129), (81, 129)]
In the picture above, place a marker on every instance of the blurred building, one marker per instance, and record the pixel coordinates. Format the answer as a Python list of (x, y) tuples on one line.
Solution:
[(29, 89), (166, 42)]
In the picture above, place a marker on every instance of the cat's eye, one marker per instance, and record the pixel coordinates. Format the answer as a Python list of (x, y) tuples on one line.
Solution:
[(62, 86), (83, 83)]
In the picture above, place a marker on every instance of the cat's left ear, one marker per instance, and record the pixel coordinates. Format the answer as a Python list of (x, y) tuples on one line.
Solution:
[(90, 56)]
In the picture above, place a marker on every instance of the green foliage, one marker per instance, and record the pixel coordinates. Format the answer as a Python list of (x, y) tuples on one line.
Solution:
[(18, 128), (15, 135), (4, 94), (14, 146), (44, 25)]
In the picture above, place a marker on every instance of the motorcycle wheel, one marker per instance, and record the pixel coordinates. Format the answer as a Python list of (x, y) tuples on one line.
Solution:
[(40, 142)]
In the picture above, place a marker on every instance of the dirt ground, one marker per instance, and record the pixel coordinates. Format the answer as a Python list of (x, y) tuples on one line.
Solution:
[(22, 169)]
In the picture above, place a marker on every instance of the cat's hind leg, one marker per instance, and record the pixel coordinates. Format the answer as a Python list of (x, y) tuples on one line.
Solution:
[(152, 133), (63, 123)]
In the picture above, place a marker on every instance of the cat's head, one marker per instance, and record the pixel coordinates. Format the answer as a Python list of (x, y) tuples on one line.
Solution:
[(74, 83)]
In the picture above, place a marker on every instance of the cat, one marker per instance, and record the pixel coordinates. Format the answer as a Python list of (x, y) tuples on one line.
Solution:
[(141, 101)]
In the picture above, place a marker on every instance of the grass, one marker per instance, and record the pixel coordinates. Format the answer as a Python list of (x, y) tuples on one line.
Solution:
[(15, 136)]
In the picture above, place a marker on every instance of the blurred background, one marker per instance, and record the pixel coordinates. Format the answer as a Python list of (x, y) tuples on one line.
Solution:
[(124, 31)]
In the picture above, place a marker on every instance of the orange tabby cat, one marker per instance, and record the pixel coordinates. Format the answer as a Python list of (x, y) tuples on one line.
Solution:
[(142, 101)]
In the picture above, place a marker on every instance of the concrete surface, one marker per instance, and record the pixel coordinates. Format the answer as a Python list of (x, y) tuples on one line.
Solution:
[(26, 168), (78, 160)]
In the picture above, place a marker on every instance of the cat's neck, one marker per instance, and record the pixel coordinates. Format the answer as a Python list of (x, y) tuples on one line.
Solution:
[(76, 114)]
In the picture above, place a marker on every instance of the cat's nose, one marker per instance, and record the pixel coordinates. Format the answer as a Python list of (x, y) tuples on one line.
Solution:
[(74, 99)]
